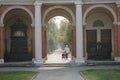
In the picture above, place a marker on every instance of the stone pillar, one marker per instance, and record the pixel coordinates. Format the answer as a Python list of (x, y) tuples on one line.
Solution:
[(38, 34), (1, 45), (79, 34)]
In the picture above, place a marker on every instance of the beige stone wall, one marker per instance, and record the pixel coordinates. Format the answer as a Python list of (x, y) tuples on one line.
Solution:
[(99, 16)]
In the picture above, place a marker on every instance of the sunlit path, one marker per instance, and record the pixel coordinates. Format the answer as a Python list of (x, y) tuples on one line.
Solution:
[(55, 57)]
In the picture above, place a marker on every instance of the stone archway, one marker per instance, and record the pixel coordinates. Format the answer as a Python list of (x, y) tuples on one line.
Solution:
[(57, 11), (17, 26), (99, 34)]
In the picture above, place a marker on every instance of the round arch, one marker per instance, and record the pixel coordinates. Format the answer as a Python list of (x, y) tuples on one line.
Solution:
[(16, 7), (60, 7), (102, 6)]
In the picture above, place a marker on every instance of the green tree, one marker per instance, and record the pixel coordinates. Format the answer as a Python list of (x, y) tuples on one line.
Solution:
[(58, 36)]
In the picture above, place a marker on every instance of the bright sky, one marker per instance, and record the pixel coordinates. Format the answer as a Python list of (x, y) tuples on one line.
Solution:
[(58, 20)]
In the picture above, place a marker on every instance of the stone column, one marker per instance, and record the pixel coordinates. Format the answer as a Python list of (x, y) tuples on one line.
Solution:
[(79, 34), (1, 45), (38, 34)]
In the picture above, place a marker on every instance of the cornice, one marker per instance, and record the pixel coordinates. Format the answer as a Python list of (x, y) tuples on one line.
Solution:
[(16, 2), (99, 2), (118, 23), (32, 2)]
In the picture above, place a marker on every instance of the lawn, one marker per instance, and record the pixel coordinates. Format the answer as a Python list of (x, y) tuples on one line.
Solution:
[(102, 74), (17, 75)]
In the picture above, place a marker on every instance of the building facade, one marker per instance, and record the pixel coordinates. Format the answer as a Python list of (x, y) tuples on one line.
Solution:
[(95, 29)]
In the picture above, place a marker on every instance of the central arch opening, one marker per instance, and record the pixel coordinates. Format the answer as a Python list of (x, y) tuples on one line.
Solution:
[(58, 34)]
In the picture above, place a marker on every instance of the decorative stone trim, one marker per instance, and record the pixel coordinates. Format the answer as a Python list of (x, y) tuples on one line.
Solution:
[(118, 23), (79, 61), (117, 59), (55, 7), (100, 5), (15, 7), (1, 61), (1, 25), (99, 2), (37, 61)]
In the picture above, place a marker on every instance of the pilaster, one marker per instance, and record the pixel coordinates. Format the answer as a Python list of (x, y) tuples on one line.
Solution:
[(79, 34), (38, 34)]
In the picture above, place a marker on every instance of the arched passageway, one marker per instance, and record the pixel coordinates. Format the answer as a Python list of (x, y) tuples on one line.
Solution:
[(59, 35), (51, 13)]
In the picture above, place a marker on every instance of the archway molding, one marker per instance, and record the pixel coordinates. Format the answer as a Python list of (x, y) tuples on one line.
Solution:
[(99, 6), (60, 7), (16, 7)]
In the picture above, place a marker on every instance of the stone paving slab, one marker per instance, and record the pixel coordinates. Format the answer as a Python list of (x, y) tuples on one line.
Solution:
[(58, 73)]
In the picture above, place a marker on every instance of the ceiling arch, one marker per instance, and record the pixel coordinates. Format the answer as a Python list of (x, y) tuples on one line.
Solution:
[(58, 11), (100, 8)]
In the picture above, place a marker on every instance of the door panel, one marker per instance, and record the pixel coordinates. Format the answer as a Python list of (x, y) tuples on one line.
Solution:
[(91, 43), (102, 49), (19, 48), (106, 44)]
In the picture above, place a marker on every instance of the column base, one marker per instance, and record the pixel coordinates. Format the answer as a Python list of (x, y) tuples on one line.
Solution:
[(37, 61), (79, 60), (117, 59), (1, 61)]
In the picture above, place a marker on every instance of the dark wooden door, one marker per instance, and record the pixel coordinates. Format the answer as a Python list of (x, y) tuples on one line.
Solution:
[(106, 43), (99, 50), (19, 48), (91, 43)]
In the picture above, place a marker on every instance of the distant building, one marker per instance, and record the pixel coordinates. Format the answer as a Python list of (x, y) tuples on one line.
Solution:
[(95, 29)]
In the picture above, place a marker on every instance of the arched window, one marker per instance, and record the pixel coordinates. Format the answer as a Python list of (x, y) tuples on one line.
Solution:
[(98, 23)]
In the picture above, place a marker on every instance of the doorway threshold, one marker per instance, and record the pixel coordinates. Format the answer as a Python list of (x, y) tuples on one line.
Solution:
[(17, 64), (103, 62)]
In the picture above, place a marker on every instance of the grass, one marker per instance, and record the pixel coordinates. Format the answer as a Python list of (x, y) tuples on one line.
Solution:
[(102, 74), (17, 75)]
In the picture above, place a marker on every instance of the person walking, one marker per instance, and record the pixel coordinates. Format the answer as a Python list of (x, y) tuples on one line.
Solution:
[(67, 51)]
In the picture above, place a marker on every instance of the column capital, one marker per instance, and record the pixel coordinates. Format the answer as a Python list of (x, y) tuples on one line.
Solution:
[(1, 25), (37, 3), (79, 2), (116, 23)]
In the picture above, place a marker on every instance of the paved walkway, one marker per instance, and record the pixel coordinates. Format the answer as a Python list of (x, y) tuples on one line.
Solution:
[(56, 57), (59, 73)]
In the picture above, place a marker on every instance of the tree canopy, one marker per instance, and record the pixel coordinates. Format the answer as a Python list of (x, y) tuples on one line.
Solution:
[(58, 37)]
